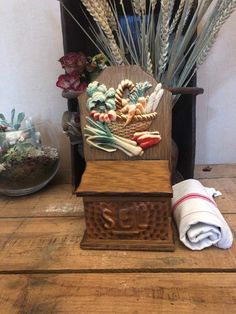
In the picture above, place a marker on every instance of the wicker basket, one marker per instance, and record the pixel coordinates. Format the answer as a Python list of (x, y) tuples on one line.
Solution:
[(139, 123)]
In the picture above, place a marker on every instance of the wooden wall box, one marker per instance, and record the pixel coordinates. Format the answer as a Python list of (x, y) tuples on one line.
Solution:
[(129, 210), (183, 114)]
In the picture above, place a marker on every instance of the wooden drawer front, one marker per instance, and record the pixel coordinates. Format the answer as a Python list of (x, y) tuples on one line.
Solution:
[(141, 220)]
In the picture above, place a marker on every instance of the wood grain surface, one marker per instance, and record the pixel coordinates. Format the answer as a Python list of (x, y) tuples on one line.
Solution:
[(58, 200), (118, 293), (43, 270), (54, 200), (52, 244), (111, 77), (139, 177)]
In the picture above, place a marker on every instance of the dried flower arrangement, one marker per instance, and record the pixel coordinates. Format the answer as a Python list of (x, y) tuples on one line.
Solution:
[(78, 71), (26, 163), (163, 37), (169, 39)]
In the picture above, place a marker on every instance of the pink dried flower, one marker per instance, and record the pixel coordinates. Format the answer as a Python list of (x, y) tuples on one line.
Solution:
[(68, 81), (71, 82), (74, 61)]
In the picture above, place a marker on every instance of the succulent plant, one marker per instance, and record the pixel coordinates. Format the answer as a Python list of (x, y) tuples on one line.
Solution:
[(26, 163), (14, 140), (15, 122)]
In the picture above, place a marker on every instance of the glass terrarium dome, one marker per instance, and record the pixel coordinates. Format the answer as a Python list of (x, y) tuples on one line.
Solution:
[(29, 155)]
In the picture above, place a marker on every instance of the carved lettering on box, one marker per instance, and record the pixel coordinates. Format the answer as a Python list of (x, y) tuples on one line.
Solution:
[(107, 215), (126, 218)]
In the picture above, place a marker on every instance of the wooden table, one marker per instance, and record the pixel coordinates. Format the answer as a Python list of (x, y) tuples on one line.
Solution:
[(43, 270)]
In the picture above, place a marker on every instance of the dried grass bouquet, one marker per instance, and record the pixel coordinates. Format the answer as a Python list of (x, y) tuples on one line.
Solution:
[(161, 36)]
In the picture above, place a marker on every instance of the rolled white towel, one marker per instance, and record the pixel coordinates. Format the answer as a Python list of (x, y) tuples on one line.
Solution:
[(199, 221)]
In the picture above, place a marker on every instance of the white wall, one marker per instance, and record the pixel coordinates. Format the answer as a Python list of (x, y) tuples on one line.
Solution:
[(30, 45), (216, 108)]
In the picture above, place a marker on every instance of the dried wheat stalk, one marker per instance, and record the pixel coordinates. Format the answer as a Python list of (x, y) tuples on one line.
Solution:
[(129, 40), (176, 56), (153, 4), (149, 64), (183, 52), (227, 9), (206, 4), (109, 15), (164, 36), (142, 6), (136, 7), (174, 51), (177, 16), (95, 9), (189, 8), (205, 41)]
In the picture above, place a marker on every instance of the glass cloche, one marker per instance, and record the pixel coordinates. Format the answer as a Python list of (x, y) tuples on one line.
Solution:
[(29, 155)]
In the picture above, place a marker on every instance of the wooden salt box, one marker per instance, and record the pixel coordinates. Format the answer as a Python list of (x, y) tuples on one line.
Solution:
[(126, 197), (127, 205)]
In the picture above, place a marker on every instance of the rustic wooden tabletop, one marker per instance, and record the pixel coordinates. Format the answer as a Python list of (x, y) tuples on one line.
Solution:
[(43, 269)]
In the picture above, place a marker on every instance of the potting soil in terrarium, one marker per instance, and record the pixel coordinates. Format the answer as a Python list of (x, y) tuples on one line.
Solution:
[(28, 159)]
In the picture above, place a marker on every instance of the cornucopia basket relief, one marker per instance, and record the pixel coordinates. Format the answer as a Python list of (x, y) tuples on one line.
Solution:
[(126, 117)]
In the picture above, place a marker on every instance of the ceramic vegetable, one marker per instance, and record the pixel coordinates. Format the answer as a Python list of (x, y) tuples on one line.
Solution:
[(147, 139), (128, 107)]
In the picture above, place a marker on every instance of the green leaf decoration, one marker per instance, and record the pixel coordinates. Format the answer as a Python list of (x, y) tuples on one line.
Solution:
[(110, 93), (13, 124), (16, 126), (13, 115), (2, 118), (141, 88), (3, 122), (110, 104), (98, 97), (99, 145), (98, 125), (102, 88), (20, 117), (90, 104), (92, 88)]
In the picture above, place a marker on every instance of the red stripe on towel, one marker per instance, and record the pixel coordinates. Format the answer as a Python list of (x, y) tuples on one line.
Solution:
[(191, 196)]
